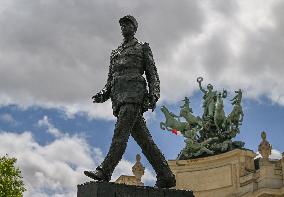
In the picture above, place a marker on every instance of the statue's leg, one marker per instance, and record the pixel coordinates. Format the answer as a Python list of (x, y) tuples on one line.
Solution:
[(142, 136), (205, 112), (126, 119), (208, 151), (211, 109), (162, 126)]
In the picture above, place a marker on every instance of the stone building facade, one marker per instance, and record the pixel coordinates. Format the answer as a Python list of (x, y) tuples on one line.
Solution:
[(237, 173)]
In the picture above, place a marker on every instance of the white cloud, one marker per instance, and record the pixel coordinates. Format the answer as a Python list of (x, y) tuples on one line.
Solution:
[(275, 154), (50, 128), (97, 110), (51, 56), (7, 118), (224, 55), (56, 168)]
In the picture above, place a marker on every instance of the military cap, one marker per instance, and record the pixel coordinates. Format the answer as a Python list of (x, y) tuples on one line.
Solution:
[(130, 18)]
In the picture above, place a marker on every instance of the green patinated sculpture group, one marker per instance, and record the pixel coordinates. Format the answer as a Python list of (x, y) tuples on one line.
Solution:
[(213, 132)]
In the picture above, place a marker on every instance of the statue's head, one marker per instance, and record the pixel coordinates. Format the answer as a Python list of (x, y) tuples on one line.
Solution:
[(239, 91), (186, 100), (209, 87), (263, 135), (163, 108), (128, 25)]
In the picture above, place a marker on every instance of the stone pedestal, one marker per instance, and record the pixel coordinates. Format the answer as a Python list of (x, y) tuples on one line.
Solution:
[(97, 189), (270, 174), (227, 174)]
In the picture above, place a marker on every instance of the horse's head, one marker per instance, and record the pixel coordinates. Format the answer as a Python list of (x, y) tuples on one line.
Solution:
[(164, 109)]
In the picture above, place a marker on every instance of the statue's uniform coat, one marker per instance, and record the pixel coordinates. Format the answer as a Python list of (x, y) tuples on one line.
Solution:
[(126, 83)]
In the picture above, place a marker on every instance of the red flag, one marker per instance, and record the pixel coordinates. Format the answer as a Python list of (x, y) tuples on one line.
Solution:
[(174, 131)]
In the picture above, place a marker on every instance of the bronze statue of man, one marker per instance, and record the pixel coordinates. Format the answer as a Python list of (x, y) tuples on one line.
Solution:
[(130, 98)]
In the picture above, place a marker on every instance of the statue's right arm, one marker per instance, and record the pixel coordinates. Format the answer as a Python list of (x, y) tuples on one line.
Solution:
[(201, 88), (104, 94), (234, 98)]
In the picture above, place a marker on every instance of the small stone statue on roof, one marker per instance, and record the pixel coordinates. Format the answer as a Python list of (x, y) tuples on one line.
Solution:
[(138, 169), (264, 147)]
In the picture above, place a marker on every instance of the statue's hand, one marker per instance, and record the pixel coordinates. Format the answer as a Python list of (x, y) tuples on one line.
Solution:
[(199, 80), (152, 101), (98, 98)]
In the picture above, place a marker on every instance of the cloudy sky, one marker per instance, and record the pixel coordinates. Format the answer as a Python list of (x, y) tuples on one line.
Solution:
[(54, 55)]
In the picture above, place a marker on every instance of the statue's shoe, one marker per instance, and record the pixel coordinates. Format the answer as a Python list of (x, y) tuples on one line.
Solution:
[(97, 175), (166, 182)]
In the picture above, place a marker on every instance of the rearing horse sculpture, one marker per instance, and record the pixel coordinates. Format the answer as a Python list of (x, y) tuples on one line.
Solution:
[(235, 118), (171, 122), (219, 114), (186, 113)]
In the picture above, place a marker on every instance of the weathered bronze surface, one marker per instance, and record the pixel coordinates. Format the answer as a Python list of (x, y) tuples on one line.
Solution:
[(211, 134), (127, 89)]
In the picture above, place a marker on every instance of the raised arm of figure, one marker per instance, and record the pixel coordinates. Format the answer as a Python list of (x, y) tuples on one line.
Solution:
[(200, 87)]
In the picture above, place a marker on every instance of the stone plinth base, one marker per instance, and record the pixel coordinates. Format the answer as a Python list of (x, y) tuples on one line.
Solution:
[(97, 189), (225, 175)]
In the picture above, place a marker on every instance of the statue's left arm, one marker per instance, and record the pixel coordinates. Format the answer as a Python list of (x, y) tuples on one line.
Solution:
[(151, 75)]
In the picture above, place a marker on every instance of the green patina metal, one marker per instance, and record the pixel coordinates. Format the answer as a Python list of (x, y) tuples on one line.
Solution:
[(214, 132)]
